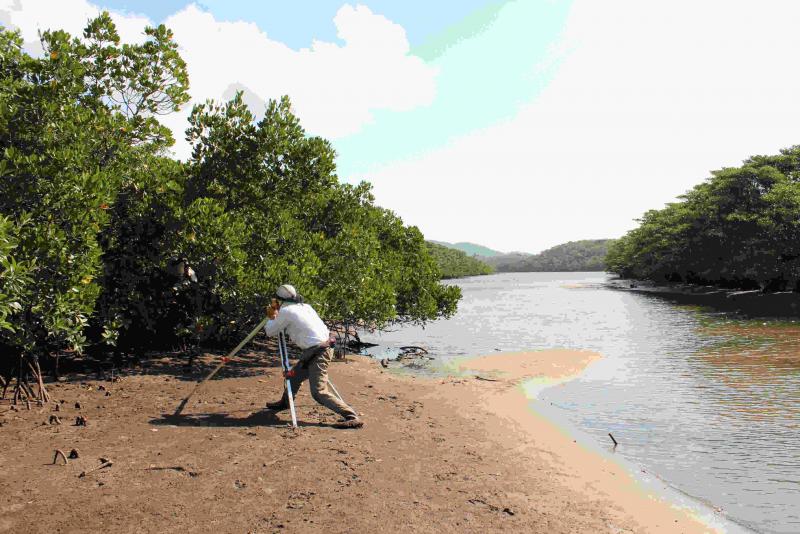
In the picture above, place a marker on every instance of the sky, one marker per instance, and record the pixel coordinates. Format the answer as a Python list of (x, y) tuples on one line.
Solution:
[(515, 124)]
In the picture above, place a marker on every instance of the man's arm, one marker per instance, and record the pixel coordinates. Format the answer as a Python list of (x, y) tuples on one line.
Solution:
[(276, 325)]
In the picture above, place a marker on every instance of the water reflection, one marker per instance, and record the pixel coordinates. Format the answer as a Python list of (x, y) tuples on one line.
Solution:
[(710, 403)]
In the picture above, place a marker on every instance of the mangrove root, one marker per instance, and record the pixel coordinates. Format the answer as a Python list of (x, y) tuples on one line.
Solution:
[(22, 371), (73, 454), (54, 420), (59, 452)]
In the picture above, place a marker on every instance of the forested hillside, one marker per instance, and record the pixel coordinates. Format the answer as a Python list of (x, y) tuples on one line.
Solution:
[(455, 263), (585, 255), (470, 249), (738, 229), (108, 245)]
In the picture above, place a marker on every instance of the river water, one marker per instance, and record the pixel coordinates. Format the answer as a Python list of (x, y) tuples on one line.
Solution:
[(708, 402)]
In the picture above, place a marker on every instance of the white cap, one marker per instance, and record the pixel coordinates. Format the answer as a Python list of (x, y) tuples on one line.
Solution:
[(286, 292)]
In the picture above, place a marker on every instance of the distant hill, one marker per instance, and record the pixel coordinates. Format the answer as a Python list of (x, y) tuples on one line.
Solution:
[(586, 255), (505, 259), (455, 263), (471, 249)]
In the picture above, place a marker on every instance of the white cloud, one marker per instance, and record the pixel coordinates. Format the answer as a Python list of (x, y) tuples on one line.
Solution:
[(653, 96), (32, 16), (334, 88)]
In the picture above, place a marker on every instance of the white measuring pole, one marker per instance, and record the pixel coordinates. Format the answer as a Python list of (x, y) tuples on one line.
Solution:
[(284, 353)]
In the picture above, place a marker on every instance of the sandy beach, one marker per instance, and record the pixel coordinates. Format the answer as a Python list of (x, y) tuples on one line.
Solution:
[(455, 454)]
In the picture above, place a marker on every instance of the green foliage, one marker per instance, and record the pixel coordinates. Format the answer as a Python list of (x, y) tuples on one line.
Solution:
[(455, 263), (585, 255), (358, 262), (738, 229), (72, 125), (14, 276), (100, 231)]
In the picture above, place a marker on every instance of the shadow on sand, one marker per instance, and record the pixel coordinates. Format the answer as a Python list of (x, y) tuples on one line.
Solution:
[(222, 419)]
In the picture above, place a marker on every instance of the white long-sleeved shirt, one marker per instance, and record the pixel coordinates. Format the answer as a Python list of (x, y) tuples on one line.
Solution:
[(301, 323)]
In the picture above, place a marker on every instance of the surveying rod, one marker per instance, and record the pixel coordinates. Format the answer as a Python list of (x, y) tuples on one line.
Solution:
[(219, 366)]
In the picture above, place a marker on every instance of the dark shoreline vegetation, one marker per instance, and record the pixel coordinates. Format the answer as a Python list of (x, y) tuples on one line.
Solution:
[(110, 247), (749, 304), (738, 230)]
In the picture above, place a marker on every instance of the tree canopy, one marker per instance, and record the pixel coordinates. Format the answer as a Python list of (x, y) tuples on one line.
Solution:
[(738, 229), (108, 243), (455, 263)]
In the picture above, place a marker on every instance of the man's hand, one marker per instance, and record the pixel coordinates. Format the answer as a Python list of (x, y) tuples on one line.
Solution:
[(272, 310)]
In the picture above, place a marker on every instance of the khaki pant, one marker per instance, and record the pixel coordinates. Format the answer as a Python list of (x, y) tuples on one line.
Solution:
[(317, 376)]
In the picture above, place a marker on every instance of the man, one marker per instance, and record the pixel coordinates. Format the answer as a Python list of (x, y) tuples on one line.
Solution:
[(307, 331)]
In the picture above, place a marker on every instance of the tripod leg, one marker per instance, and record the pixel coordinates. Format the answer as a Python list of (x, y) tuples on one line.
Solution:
[(291, 402), (335, 392), (285, 362)]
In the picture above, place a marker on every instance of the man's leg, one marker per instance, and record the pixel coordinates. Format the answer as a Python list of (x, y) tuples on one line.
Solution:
[(318, 382), (300, 375)]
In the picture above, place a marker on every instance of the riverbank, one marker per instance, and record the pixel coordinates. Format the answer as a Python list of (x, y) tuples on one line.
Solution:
[(456, 454), (752, 302)]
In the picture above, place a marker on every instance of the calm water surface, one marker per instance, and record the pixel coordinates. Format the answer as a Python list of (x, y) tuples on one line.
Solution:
[(709, 403)]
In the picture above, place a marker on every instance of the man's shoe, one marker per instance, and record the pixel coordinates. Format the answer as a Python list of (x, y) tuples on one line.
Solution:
[(277, 406), (353, 422)]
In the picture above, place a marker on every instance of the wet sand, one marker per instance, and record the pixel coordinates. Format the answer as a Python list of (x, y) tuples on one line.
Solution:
[(459, 454)]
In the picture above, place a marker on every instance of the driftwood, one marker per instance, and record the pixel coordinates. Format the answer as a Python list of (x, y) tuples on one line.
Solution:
[(478, 377), (106, 463), (414, 348), (411, 351)]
